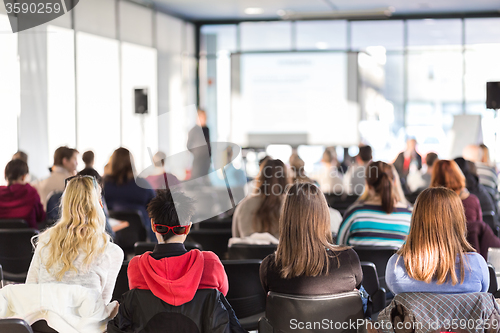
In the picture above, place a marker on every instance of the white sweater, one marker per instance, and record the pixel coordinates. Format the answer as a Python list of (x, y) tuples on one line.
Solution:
[(100, 276)]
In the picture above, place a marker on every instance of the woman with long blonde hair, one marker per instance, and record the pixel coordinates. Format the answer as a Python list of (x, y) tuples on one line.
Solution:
[(437, 257), (306, 261), (77, 250)]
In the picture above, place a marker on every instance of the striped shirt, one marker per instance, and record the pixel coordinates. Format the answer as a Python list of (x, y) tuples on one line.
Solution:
[(487, 175), (369, 225)]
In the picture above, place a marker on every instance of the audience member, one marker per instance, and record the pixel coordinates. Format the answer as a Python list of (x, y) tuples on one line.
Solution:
[(159, 178), (486, 172), (437, 258), (260, 212), (406, 158), (298, 174), (306, 262), (88, 159), (18, 200), (65, 164), (430, 159), (379, 219), (170, 272), (199, 145), (329, 176), (124, 193), (77, 250), (447, 174), (354, 179)]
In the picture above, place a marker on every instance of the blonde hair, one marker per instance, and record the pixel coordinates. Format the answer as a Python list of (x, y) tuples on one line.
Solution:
[(437, 238), (81, 228), (305, 244)]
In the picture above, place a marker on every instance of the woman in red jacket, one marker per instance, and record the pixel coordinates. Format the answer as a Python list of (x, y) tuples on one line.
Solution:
[(19, 200)]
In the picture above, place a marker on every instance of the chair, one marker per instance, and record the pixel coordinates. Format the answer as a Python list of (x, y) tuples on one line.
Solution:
[(493, 288), (135, 232), (16, 252), (379, 255), (13, 224), (143, 247), (285, 312), (121, 285), (250, 251), (372, 286), (340, 202), (215, 224), (494, 260), (246, 295), (14, 325), (41, 326), (489, 218), (214, 240)]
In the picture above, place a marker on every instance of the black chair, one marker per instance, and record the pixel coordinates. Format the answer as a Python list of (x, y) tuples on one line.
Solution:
[(16, 252), (246, 295), (412, 197), (121, 285), (214, 240), (490, 219), (379, 255), (41, 326), (13, 224), (250, 251), (14, 325), (340, 202), (284, 312), (135, 232), (493, 288), (215, 224), (372, 287), (143, 247)]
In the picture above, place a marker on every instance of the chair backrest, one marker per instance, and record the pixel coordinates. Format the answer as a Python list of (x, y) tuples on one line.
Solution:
[(216, 224), (121, 285), (489, 218), (135, 232), (214, 240), (13, 224), (370, 277), (16, 250), (250, 251), (143, 247), (285, 312), (494, 260), (379, 256), (493, 288), (14, 325), (246, 295), (340, 202), (41, 326)]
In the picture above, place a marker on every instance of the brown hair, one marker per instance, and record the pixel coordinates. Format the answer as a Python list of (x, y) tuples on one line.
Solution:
[(271, 185), (62, 153), (15, 169), (380, 177), (88, 157), (305, 237), (437, 237), (447, 174), (121, 166)]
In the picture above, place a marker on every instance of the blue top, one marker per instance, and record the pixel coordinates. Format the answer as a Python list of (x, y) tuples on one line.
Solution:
[(476, 278)]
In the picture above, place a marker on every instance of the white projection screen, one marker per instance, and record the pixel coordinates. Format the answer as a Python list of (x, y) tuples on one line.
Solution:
[(295, 98)]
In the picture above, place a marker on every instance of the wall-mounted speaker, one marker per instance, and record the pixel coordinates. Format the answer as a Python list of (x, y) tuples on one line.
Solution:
[(493, 95), (141, 100)]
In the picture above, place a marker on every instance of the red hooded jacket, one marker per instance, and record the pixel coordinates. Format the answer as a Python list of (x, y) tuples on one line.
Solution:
[(175, 280), (21, 201)]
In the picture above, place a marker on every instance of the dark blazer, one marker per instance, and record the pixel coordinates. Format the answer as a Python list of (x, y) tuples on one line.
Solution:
[(399, 163)]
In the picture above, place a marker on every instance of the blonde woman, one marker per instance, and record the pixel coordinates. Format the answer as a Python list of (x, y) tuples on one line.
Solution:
[(77, 250), (437, 258)]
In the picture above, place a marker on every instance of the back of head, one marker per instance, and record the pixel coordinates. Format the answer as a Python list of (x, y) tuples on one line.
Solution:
[(20, 155), (365, 153), (14, 170), (327, 156), (437, 237), (447, 174), (304, 232), (62, 153), (80, 228), (88, 158), (170, 208), (430, 158), (159, 159), (473, 153), (121, 166), (486, 153), (271, 186), (380, 177), (93, 173)]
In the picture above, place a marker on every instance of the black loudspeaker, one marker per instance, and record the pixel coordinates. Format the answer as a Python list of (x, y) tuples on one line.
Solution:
[(141, 101), (493, 95)]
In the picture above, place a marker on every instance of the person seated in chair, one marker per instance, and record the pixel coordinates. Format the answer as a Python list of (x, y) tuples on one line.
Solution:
[(437, 258), (170, 272)]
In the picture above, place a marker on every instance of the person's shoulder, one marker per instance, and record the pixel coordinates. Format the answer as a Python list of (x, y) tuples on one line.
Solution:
[(209, 256), (114, 250), (475, 259), (473, 198)]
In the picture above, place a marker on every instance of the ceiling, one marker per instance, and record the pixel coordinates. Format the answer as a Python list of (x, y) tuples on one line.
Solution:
[(200, 10)]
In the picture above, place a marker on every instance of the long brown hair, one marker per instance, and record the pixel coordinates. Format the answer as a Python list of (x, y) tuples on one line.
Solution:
[(271, 186), (437, 237), (447, 174), (121, 166), (380, 177), (305, 236)]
